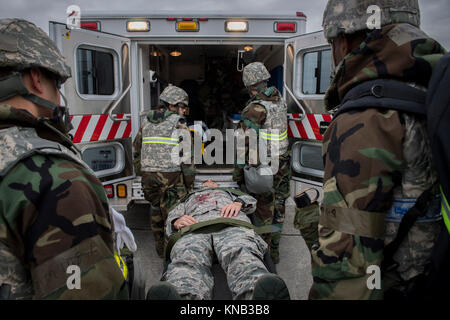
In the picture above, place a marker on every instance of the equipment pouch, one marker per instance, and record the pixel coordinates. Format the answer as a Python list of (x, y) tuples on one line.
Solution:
[(259, 179)]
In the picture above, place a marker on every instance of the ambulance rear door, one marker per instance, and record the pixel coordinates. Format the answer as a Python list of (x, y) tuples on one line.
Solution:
[(98, 95), (307, 76)]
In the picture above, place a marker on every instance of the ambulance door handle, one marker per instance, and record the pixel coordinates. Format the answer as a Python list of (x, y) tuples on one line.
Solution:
[(111, 108), (302, 116)]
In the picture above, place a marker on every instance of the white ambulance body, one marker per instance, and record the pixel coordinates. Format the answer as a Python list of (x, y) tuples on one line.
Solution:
[(121, 63)]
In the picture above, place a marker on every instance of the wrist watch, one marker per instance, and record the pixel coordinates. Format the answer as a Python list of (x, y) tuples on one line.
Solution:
[(240, 201)]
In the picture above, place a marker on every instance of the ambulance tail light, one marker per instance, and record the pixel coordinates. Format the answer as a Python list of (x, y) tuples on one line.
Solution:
[(109, 189), (301, 15), (138, 26), (285, 27), (91, 25), (236, 26)]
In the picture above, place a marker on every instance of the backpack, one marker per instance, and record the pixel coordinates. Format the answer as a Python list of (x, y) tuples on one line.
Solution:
[(434, 104)]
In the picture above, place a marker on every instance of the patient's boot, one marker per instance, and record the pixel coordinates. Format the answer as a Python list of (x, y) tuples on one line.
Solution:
[(163, 291), (159, 244), (270, 287)]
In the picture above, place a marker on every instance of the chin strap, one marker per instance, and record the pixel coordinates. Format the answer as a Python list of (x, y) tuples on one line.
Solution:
[(13, 85)]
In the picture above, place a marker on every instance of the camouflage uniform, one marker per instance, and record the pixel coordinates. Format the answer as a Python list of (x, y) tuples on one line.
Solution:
[(239, 250), (374, 159), (270, 206), (163, 182), (53, 210)]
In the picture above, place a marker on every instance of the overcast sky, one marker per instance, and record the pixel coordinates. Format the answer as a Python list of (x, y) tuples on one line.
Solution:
[(435, 13)]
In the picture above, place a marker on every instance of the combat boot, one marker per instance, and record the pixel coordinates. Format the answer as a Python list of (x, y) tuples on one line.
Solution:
[(270, 287), (159, 245), (163, 291), (275, 255)]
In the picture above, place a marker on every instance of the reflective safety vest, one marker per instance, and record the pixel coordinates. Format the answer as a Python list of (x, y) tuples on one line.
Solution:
[(158, 144), (274, 130), (445, 209)]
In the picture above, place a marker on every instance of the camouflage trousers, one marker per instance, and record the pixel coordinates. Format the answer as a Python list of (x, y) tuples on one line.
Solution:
[(239, 252), (270, 208), (163, 190)]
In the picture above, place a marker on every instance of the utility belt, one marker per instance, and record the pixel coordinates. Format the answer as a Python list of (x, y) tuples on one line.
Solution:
[(216, 225)]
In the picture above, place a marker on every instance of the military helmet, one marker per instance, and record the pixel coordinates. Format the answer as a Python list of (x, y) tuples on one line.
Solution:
[(254, 73), (24, 45), (348, 17), (174, 95)]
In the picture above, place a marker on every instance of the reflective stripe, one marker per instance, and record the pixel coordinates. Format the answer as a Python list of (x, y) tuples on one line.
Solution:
[(274, 136), (161, 140), (445, 208)]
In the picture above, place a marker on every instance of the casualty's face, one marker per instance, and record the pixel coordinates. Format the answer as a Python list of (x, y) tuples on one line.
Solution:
[(210, 184)]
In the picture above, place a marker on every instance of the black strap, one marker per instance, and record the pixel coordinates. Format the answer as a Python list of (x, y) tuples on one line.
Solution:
[(384, 94), (418, 210)]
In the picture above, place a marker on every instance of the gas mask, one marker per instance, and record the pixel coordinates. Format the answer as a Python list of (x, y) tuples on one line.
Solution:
[(259, 87), (13, 85)]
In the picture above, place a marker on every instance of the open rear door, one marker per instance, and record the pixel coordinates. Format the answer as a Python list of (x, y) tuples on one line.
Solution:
[(98, 95), (307, 76)]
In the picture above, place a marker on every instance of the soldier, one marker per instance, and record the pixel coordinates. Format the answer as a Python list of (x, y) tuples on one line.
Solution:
[(56, 238), (164, 182), (377, 161), (267, 110), (239, 250)]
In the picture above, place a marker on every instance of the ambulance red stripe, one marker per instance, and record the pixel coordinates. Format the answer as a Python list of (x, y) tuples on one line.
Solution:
[(308, 128), (98, 128)]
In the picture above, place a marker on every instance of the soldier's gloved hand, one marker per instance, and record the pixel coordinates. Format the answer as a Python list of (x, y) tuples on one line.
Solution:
[(183, 222), (231, 210), (122, 232)]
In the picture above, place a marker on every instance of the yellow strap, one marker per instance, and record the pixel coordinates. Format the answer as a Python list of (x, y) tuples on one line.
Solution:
[(122, 265), (445, 209)]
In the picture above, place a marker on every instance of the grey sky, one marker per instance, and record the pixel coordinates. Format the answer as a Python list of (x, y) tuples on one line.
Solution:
[(435, 13)]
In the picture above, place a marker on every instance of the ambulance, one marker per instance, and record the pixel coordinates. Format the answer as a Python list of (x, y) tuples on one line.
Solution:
[(121, 62)]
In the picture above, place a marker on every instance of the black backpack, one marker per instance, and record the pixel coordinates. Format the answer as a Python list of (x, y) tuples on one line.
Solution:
[(434, 104)]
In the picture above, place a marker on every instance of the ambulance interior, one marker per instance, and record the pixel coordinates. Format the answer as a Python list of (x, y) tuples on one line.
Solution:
[(210, 74)]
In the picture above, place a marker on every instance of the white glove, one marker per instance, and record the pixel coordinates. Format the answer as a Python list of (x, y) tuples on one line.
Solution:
[(123, 233)]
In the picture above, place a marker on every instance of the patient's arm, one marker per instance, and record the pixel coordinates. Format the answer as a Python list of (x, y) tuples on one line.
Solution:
[(183, 222), (173, 215), (248, 203), (231, 210)]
